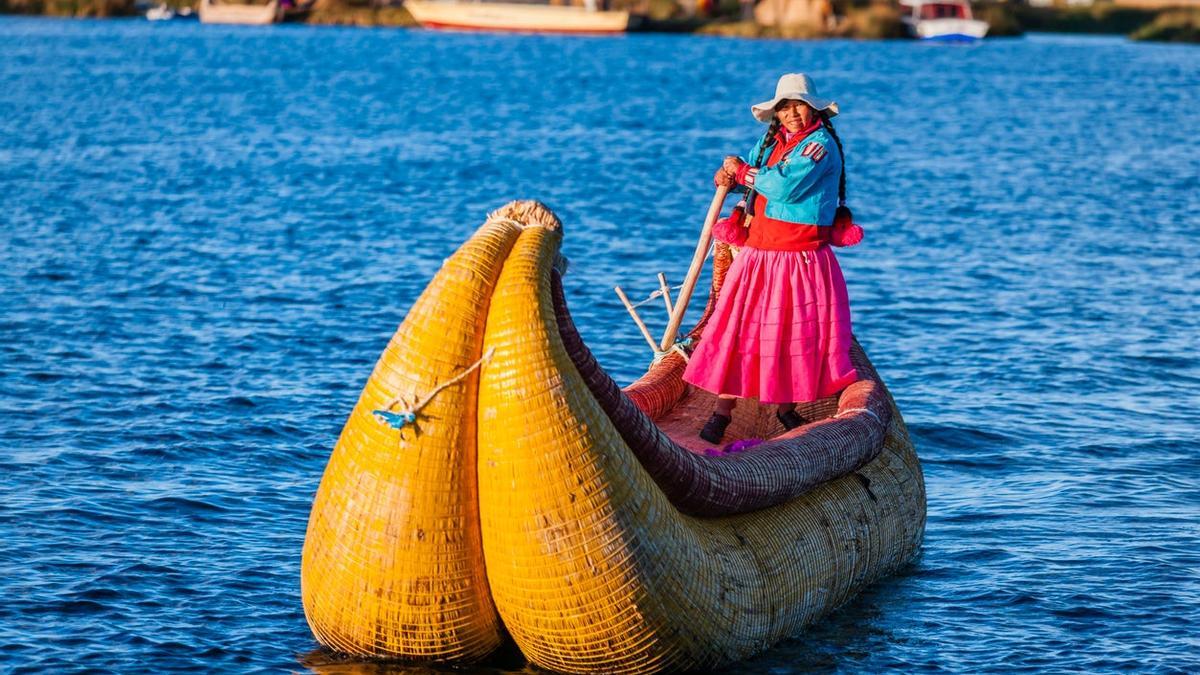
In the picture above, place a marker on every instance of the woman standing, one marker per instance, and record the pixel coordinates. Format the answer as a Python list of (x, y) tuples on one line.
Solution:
[(780, 331)]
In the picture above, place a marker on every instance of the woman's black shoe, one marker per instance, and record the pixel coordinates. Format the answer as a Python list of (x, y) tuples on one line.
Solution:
[(714, 429), (790, 419)]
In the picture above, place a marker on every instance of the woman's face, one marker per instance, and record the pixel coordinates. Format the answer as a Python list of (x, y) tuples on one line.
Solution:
[(794, 115)]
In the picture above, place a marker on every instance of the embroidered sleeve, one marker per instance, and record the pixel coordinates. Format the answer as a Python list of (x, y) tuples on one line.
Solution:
[(793, 175), (745, 175)]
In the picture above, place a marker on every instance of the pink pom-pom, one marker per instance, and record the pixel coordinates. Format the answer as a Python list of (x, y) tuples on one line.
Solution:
[(845, 231), (847, 236), (730, 230)]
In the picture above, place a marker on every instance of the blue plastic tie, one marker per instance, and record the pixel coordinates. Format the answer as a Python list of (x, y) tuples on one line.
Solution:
[(396, 420)]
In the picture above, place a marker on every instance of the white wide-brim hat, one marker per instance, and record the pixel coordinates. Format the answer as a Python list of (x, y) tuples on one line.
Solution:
[(795, 87)]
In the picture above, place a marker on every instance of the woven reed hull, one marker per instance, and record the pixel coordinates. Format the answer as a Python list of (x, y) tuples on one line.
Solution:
[(591, 566), (520, 501), (393, 562)]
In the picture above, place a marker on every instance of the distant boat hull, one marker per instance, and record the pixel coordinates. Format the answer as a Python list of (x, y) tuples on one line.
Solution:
[(949, 30), (519, 18), (238, 14)]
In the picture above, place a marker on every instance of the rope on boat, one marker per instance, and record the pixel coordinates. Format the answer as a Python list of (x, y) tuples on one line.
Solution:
[(506, 221), (658, 293), (861, 410), (402, 418), (654, 296), (681, 348)]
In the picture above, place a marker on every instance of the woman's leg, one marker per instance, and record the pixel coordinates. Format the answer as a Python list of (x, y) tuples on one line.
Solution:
[(714, 429), (788, 417), (725, 404)]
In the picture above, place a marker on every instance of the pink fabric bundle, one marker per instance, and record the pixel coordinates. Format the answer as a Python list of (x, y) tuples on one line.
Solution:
[(734, 447)]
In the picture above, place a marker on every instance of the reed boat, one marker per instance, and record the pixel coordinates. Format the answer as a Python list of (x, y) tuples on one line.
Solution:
[(494, 481), (519, 17)]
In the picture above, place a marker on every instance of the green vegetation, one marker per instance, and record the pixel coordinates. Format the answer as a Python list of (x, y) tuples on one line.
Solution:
[(81, 8), (877, 21), (1102, 17), (874, 21), (1001, 19), (1181, 25), (357, 13)]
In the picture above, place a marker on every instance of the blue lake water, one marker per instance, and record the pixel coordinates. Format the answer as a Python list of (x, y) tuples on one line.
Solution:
[(208, 235)]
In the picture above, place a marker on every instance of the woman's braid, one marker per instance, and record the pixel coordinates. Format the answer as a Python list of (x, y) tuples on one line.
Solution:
[(842, 180)]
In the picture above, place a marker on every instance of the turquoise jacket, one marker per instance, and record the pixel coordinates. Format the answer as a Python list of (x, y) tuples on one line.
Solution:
[(803, 186)]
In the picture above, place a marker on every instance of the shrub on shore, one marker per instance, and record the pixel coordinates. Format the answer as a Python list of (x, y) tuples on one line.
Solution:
[(80, 8), (877, 21), (358, 13), (1181, 25), (1102, 17), (1000, 18)]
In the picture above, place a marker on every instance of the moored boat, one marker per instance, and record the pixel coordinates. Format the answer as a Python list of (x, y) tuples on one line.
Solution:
[(942, 20), (518, 17), (239, 14), (160, 13), (518, 490)]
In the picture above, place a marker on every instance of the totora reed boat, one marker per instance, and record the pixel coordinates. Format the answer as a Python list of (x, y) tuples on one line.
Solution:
[(517, 491)]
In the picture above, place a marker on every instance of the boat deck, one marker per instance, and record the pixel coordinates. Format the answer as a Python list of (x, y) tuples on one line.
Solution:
[(750, 419)]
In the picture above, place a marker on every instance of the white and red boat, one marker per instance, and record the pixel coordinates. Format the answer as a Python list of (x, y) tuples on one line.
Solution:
[(942, 20), (519, 17)]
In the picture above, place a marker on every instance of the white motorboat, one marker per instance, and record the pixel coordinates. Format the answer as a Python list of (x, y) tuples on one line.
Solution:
[(942, 20)]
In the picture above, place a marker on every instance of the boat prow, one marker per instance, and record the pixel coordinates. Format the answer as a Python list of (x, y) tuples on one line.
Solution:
[(536, 498)]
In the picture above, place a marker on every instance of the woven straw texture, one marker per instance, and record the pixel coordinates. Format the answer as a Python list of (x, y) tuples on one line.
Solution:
[(393, 562), (534, 491), (788, 465), (591, 565)]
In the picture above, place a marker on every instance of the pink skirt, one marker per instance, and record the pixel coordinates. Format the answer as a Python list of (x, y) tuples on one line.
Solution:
[(780, 331)]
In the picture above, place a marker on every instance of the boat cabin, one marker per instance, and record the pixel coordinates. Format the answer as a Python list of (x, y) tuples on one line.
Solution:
[(942, 10)]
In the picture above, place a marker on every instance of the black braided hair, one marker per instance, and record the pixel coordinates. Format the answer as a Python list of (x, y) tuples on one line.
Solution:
[(768, 139), (842, 180)]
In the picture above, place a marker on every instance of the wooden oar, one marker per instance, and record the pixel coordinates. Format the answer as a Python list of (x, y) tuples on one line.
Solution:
[(693, 275)]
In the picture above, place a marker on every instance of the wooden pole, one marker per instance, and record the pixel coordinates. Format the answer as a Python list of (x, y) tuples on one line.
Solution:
[(666, 293), (636, 319), (693, 275)]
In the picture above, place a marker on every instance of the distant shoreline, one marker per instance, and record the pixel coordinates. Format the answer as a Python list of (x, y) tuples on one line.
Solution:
[(874, 22)]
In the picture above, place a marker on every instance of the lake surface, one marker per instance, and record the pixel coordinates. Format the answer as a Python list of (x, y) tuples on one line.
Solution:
[(209, 234)]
